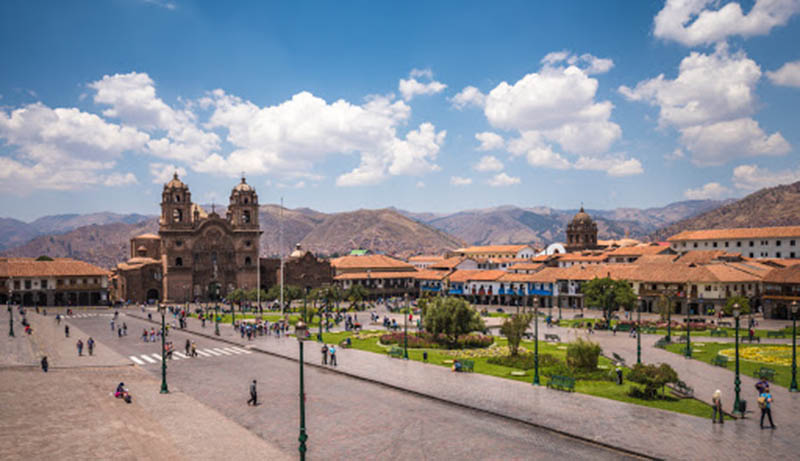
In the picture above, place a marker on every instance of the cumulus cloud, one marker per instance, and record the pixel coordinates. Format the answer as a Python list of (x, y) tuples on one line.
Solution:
[(752, 177), (711, 103), (712, 190), (460, 181), (502, 180), (588, 63), (120, 180), (162, 173), (490, 141), (489, 163), (411, 87), (613, 165), (469, 96), (699, 22), (787, 75), (62, 148)]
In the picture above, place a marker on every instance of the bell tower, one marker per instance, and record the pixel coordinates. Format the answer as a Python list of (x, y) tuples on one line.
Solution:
[(176, 205), (243, 207)]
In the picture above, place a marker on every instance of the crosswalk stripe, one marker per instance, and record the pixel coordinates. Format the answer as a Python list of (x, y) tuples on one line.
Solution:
[(157, 356), (147, 358), (222, 351), (180, 354), (230, 349), (203, 354), (213, 352), (241, 350), (136, 361)]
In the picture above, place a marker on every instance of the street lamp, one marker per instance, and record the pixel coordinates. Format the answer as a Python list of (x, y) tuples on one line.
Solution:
[(10, 321), (164, 389), (793, 386), (737, 382), (669, 317), (405, 329), (639, 329), (300, 331), (216, 319), (688, 352), (535, 340)]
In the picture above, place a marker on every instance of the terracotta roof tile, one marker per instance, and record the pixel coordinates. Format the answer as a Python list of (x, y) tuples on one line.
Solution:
[(492, 248), (59, 267), (376, 275), (789, 274), (738, 233), (476, 275), (369, 262)]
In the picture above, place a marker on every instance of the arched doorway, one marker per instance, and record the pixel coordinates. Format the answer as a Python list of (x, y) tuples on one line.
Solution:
[(152, 296), (214, 291)]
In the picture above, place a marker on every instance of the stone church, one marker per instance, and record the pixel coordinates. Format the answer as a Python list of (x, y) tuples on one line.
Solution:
[(582, 233), (196, 255)]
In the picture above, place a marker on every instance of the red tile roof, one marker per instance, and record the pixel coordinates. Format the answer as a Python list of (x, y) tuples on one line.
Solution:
[(476, 275), (739, 233), (59, 267), (376, 275)]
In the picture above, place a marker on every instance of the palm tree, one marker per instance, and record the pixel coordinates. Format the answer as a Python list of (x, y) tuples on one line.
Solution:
[(356, 294)]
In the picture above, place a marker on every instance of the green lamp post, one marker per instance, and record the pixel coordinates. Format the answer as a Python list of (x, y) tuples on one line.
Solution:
[(10, 321), (300, 331), (405, 328), (737, 383), (164, 389), (793, 386), (669, 318), (638, 329), (688, 352), (216, 319), (233, 313), (535, 340)]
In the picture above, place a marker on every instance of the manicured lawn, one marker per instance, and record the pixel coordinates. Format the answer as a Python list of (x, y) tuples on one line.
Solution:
[(368, 341), (707, 351)]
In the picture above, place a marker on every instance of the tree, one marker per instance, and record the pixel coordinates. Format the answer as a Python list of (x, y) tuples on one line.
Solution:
[(609, 294), (744, 305), (451, 317), (237, 296), (652, 377), (514, 328), (583, 355), (44, 258), (355, 294), (664, 305), (290, 293)]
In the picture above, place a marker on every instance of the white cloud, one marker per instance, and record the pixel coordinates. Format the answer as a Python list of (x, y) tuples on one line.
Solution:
[(412, 87), (62, 148), (489, 163), (676, 154), (502, 180), (694, 22), (787, 75), (162, 173), (752, 177), (469, 96), (490, 141), (588, 63), (120, 179), (712, 190), (460, 181), (613, 165), (162, 3), (718, 143), (537, 152)]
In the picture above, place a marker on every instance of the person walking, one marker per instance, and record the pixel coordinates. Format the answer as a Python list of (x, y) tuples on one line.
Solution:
[(716, 406), (112, 325), (79, 345), (765, 403), (253, 394), (66, 331), (119, 332), (324, 354), (90, 343), (194, 349), (332, 351), (188, 347), (124, 329), (45, 365)]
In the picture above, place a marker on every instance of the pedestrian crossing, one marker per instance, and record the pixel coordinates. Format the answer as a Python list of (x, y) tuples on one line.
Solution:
[(86, 315), (148, 359)]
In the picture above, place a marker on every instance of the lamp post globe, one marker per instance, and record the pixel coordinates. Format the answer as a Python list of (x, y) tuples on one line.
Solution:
[(301, 331), (793, 385), (737, 383)]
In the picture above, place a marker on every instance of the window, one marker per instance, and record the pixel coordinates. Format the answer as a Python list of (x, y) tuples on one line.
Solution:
[(777, 243), (715, 244), (738, 244), (246, 217), (751, 243), (72, 281), (85, 282), (777, 254), (27, 284), (245, 200), (248, 261), (791, 243), (59, 282), (705, 244), (43, 284), (16, 284), (708, 287), (178, 243), (177, 198), (247, 243), (179, 261), (177, 215), (791, 255), (684, 244), (695, 244), (751, 254)]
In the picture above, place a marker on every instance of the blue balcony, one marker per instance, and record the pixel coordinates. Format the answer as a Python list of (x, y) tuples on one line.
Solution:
[(427, 288), (456, 291), (540, 292)]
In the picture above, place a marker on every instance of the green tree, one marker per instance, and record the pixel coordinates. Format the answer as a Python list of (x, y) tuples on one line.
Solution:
[(583, 355), (744, 305), (665, 306), (237, 296), (609, 294), (652, 377), (514, 328), (356, 294), (44, 258), (451, 317), (290, 293)]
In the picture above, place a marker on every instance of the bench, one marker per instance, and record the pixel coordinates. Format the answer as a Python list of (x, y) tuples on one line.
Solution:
[(681, 389), (724, 324), (718, 332), (577, 316), (766, 373), (527, 335), (624, 327), (776, 334), (649, 330), (552, 337), (517, 373), (752, 340), (564, 383), (466, 365), (618, 358), (720, 361), (396, 352), (681, 339)]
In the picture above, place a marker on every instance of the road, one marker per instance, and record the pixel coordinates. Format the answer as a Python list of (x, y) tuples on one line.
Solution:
[(346, 418)]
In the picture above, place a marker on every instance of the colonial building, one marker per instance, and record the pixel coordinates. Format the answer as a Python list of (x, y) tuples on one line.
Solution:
[(750, 242), (196, 256), (301, 269), (497, 251), (582, 233), (56, 282)]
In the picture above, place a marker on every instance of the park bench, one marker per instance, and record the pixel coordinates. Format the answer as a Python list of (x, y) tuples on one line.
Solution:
[(720, 361), (649, 330), (681, 389), (552, 337), (752, 340), (724, 324), (719, 332), (467, 365), (776, 334), (396, 352), (577, 316), (561, 382), (618, 358), (766, 373), (624, 327), (681, 339)]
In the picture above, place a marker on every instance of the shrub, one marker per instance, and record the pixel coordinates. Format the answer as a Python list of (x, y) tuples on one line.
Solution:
[(430, 341), (451, 317), (524, 361), (652, 377), (583, 355), (513, 328)]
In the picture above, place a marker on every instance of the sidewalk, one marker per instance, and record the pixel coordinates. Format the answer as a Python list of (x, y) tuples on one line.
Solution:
[(643, 430)]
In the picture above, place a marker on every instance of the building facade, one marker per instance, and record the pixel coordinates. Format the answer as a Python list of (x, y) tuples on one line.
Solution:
[(750, 242), (581, 233), (52, 282)]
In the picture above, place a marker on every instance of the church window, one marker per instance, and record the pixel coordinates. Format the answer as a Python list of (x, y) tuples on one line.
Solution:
[(177, 215), (179, 261), (245, 200), (248, 261), (247, 243), (246, 217), (178, 243), (177, 198)]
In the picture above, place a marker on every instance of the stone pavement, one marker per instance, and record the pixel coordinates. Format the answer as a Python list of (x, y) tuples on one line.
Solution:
[(643, 430), (16, 350)]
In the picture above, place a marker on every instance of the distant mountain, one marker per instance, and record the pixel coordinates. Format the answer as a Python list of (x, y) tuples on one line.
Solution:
[(774, 206), (14, 232)]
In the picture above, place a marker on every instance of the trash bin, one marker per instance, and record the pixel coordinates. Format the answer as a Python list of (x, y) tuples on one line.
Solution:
[(742, 406)]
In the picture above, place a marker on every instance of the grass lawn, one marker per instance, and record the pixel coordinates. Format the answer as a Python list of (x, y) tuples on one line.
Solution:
[(226, 318), (707, 351), (676, 332), (368, 341)]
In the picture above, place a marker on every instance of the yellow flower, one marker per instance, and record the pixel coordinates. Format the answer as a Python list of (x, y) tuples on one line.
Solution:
[(777, 355)]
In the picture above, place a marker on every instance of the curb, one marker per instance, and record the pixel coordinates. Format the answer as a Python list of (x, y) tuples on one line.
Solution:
[(427, 396)]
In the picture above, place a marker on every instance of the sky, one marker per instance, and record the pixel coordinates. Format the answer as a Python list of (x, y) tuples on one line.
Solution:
[(425, 106)]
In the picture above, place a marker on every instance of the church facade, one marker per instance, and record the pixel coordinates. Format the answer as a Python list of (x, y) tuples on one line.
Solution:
[(196, 255)]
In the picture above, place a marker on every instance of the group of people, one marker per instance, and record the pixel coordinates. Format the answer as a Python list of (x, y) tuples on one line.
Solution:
[(764, 401), (150, 336), (89, 344), (329, 355)]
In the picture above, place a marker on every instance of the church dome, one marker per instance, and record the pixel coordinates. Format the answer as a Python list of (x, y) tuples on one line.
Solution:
[(298, 252), (243, 187), (582, 218), (175, 183)]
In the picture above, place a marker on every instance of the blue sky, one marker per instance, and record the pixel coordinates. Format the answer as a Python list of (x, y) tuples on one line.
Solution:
[(427, 106)]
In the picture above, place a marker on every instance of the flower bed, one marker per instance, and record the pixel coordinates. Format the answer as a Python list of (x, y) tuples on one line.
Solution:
[(773, 355), (428, 341)]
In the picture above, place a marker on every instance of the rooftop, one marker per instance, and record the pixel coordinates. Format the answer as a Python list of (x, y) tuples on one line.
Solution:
[(59, 267), (739, 233)]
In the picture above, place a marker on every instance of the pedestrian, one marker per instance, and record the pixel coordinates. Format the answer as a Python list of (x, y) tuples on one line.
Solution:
[(332, 351), (194, 349), (80, 347), (66, 331), (144, 335), (58, 319), (762, 384), (765, 403), (119, 332), (45, 365), (90, 343), (324, 354), (188, 346), (619, 375), (716, 407), (112, 325), (253, 394), (124, 329), (203, 320)]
